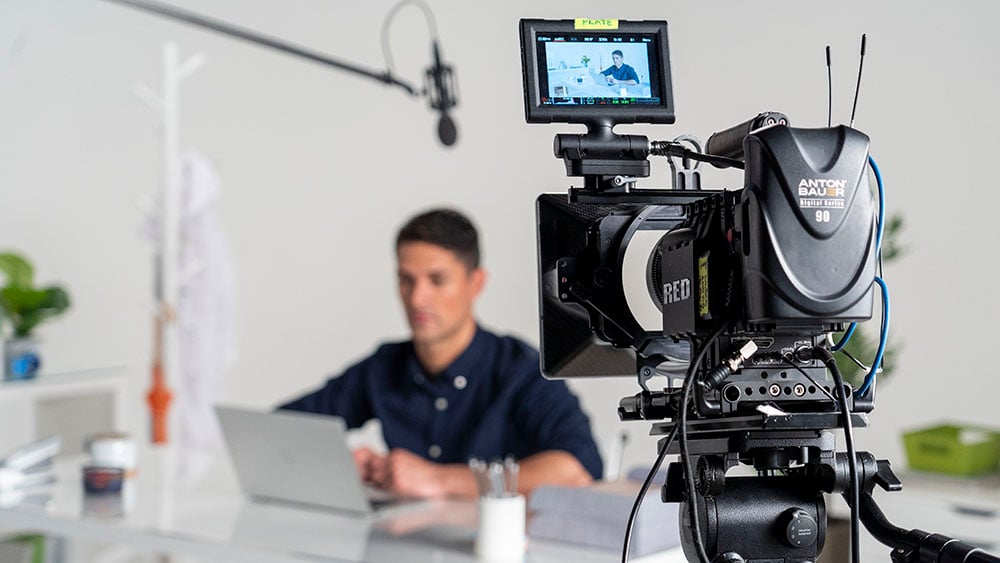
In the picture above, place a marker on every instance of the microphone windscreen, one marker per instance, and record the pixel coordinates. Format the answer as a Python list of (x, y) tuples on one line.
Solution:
[(447, 131)]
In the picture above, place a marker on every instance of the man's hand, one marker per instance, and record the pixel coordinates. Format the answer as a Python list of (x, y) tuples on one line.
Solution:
[(611, 79), (371, 466), (408, 474)]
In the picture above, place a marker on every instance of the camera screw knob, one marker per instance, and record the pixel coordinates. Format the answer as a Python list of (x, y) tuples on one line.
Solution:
[(800, 527)]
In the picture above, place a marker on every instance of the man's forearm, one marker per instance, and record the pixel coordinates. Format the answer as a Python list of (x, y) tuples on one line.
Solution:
[(457, 481), (552, 467), (410, 475)]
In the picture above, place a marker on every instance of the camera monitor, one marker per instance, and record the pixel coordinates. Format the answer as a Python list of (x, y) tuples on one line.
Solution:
[(596, 71)]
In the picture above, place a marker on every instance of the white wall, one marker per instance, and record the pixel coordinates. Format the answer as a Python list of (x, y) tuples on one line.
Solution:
[(320, 168)]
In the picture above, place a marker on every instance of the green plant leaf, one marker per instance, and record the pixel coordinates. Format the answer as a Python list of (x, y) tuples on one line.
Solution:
[(17, 269), (27, 323), (26, 307), (56, 299), (18, 300), (891, 248)]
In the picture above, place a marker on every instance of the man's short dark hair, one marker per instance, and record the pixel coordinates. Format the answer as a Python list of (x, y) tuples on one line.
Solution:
[(617, 52), (446, 228)]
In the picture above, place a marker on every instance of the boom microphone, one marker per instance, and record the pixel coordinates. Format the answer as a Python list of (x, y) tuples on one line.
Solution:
[(441, 90)]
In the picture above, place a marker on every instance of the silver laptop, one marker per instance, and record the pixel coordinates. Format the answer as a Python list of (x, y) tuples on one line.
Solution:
[(296, 457)]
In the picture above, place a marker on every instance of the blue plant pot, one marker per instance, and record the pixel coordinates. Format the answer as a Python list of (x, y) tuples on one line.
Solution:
[(22, 358)]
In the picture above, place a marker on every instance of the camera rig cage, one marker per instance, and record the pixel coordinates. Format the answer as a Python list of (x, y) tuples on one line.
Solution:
[(731, 294)]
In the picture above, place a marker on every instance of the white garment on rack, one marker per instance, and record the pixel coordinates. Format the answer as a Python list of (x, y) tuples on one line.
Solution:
[(206, 307)]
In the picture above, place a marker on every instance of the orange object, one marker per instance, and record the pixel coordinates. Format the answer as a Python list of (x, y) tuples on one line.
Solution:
[(159, 398), (159, 395)]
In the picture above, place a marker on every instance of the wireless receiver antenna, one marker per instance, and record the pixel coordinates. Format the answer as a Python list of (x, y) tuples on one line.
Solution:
[(829, 90), (857, 88)]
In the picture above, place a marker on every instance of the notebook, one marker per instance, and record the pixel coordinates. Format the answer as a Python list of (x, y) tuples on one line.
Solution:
[(295, 457)]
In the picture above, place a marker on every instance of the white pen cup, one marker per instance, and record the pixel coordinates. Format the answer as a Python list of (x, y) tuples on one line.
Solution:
[(501, 528), (112, 449)]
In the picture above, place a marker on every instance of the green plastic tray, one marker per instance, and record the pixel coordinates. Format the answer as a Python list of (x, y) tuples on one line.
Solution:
[(953, 449)]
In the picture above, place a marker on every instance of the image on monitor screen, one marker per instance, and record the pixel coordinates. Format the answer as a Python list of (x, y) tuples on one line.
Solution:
[(578, 71), (598, 77)]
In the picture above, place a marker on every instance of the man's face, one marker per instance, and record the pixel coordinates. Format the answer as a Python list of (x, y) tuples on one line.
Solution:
[(437, 290), (617, 60)]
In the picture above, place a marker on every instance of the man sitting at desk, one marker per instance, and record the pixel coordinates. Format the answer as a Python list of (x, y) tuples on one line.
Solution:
[(619, 72), (455, 391)]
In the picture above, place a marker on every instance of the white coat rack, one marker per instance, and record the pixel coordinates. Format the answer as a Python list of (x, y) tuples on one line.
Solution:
[(168, 277), (168, 280)]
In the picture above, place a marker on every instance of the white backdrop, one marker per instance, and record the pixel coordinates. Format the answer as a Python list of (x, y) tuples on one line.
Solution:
[(320, 168)]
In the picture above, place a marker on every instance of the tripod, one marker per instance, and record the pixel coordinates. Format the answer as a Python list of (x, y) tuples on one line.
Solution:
[(779, 515)]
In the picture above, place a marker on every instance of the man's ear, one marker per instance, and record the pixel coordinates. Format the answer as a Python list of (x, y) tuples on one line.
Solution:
[(478, 280)]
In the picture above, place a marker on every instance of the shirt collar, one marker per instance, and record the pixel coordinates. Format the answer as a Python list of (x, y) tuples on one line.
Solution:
[(463, 365)]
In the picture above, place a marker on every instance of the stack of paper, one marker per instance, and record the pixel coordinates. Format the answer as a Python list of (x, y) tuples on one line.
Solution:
[(596, 516), (28, 466)]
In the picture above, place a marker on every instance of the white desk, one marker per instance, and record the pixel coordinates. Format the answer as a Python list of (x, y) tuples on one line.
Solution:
[(965, 509), (209, 519), (69, 404)]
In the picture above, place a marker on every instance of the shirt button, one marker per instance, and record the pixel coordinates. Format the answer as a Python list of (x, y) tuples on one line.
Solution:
[(418, 378), (441, 403), (460, 382), (434, 451)]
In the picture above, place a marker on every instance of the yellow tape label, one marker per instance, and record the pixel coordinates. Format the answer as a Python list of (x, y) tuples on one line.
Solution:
[(703, 285), (583, 23)]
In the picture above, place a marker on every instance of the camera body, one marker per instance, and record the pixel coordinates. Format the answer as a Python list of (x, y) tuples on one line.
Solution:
[(628, 277), (732, 294), (633, 281)]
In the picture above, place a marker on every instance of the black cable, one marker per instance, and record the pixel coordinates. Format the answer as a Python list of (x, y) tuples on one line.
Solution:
[(642, 492), (387, 21), (831, 364), (685, 455), (671, 148)]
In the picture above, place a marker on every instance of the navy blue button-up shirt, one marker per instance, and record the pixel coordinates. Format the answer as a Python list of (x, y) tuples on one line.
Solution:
[(491, 402)]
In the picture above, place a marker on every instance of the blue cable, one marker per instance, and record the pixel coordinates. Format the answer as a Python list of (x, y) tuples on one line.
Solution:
[(881, 205), (847, 337), (880, 229), (883, 338)]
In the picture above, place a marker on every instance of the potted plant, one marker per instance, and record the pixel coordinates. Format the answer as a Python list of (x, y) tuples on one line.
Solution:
[(25, 306)]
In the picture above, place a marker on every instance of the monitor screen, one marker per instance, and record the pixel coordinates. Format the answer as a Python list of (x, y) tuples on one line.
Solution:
[(619, 73)]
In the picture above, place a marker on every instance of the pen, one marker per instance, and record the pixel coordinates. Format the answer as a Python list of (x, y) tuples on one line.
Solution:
[(511, 469), (497, 479), (479, 474)]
